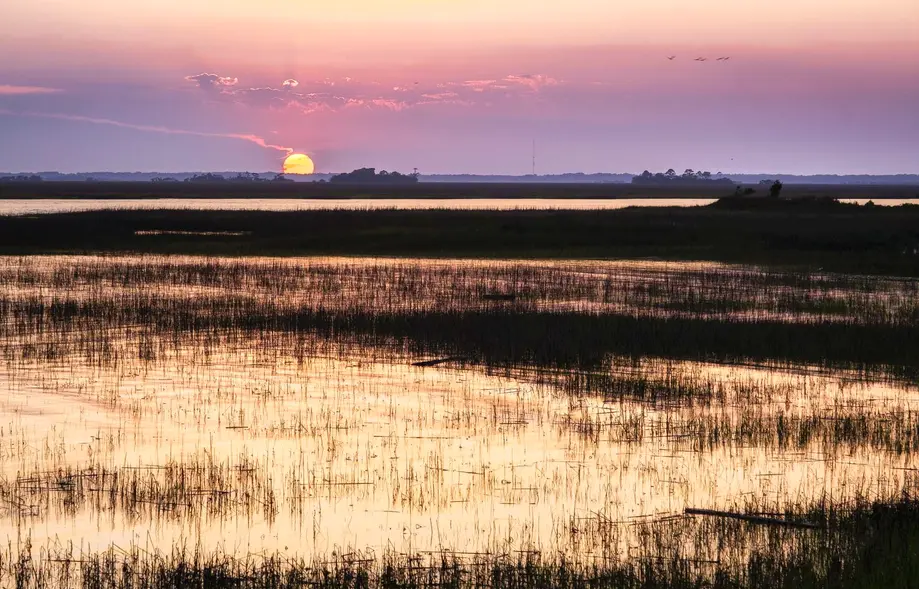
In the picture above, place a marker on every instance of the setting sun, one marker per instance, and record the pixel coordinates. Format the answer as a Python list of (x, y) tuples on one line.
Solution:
[(298, 163)]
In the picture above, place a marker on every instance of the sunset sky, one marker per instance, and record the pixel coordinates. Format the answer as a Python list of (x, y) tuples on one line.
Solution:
[(460, 86)]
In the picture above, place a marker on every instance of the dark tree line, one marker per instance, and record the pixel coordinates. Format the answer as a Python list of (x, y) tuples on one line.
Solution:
[(242, 177), (22, 178), (688, 177), (370, 176)]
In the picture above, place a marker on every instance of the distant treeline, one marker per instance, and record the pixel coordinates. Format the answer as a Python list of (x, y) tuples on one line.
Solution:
[(573, 178), (370, 176), (242, 177), (688, 177)]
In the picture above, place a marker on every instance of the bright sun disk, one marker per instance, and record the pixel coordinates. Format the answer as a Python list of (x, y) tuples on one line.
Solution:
[(299, 163)]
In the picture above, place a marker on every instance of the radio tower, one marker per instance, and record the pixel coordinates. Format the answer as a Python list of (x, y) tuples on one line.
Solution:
[(534, 157)]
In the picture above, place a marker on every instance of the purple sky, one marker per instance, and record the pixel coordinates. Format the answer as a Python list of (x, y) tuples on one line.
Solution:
[(461, 86)]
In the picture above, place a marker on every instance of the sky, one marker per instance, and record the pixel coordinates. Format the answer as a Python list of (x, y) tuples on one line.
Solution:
[(460, 86)]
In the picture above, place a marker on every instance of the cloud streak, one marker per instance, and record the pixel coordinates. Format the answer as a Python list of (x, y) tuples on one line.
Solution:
[(8, 90), (149, 128)]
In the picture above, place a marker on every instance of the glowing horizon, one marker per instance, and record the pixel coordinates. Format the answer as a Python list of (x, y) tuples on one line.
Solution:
[(463, 86)]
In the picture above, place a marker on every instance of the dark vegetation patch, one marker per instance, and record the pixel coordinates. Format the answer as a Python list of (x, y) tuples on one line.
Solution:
[(453, 190), (500, 315), (873, 240)]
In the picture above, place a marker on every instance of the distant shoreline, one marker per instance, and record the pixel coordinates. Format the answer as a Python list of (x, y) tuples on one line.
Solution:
[(564, 178), (426, 190)]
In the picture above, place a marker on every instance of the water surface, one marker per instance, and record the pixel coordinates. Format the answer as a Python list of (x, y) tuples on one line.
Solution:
[(37, 206), (273, 404)]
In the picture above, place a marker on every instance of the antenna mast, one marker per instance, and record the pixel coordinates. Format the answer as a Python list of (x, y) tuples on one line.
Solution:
[(534, 157)]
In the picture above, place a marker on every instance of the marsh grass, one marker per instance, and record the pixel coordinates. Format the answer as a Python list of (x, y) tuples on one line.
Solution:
[(843, 237), (189, 491), (235, 394), (566, 315), (862, 545)]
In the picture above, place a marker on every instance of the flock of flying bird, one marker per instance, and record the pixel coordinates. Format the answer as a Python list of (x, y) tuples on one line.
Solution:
[(672, 57)]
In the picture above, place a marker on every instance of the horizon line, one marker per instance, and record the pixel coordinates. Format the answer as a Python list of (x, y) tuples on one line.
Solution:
[(434, 174)]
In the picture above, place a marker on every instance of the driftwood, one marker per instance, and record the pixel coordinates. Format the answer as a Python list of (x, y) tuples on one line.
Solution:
[(497, 296), (440, 361), (755, 519)]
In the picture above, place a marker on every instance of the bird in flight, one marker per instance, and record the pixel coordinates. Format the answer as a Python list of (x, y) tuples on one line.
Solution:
[(671, 57), (701, 59), (723, 58)]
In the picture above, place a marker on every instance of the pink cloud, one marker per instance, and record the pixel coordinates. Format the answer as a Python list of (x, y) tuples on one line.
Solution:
[(478, 85), (390, 104), (440, 96), (205, 80), (533, 82), (316, 96), (8, 90), (309, 108)]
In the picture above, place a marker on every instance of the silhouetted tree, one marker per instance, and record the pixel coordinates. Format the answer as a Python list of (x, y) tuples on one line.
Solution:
[(688, 177), (776, 189), (370, 176), (206, 178)]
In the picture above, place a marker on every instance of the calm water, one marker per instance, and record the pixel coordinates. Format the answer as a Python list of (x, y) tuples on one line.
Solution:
[(28, 207), (142, 403), (24, 207)]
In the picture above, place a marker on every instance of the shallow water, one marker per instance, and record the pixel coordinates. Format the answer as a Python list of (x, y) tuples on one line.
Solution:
[(31, 207), (40, 206), (117, 429)]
